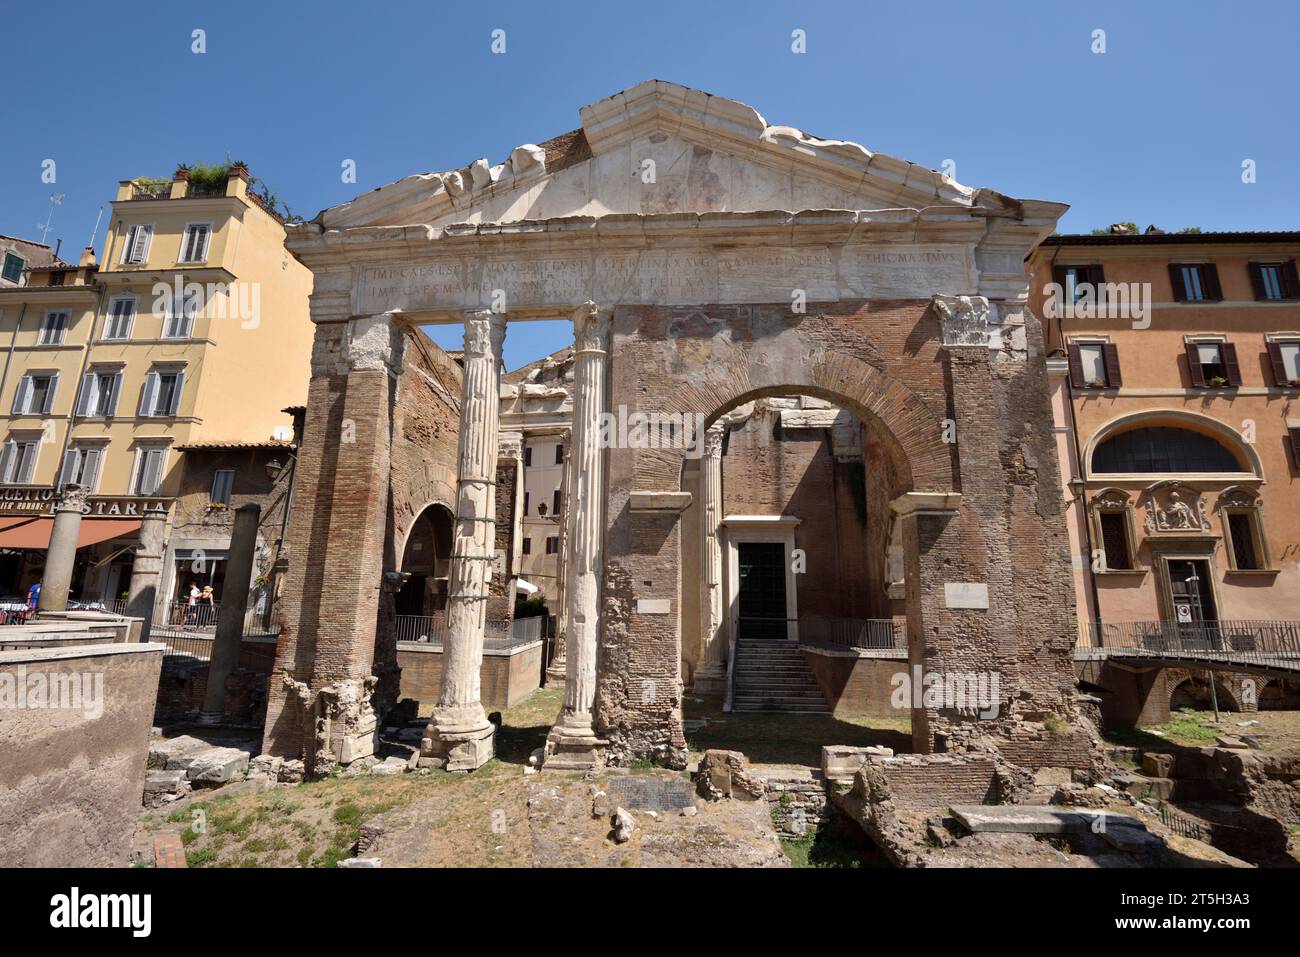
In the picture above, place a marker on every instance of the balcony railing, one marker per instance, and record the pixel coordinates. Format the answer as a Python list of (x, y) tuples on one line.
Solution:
[(1261, 642)]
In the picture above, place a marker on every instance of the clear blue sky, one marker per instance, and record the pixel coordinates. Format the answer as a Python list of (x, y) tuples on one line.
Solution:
[(1154, 130)]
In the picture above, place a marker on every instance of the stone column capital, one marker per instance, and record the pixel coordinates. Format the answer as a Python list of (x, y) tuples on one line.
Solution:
[(590, 329), (485, 331), (713, 437), (72, 497), (964, 320)]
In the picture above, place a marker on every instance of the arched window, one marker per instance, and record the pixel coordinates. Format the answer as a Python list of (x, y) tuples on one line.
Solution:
[(1163, 449)]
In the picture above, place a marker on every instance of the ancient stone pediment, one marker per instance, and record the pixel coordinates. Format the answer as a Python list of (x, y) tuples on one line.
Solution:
[(660, 148)]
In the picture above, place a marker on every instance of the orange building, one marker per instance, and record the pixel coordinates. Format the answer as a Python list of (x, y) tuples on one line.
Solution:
[(1175, 361)]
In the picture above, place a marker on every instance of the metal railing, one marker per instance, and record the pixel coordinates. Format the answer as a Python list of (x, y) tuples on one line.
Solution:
[(1246, 641), (499, 634), (875, 634)]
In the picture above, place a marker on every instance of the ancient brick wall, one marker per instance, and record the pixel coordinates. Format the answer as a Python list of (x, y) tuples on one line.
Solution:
[(505, 680), (884, 363), (856, 686), (768, 470), (934, 781), (377, 447)]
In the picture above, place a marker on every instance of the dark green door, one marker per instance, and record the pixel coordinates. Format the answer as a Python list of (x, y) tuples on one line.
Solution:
[(761, 602)]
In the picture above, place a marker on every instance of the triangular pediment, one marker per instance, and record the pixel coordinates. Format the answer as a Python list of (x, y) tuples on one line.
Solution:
[(658, 148)]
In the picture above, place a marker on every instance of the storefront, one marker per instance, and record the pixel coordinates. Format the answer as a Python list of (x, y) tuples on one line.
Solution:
[(106, 543)]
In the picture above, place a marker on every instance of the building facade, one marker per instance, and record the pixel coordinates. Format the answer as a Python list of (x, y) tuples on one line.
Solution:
[(773, 264), (1175, 369), (1176, 406), (190, 331)]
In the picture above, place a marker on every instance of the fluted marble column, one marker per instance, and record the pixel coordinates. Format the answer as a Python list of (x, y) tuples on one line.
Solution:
[(572, 742), (558, 669), (711, 677), (459, 735)]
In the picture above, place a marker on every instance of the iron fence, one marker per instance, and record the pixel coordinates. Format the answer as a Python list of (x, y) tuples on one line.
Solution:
[(876, 634), (1246, 641), (498, 634)]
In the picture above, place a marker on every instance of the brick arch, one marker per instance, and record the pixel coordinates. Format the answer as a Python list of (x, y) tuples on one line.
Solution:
[(906, 426), (404, 536), (1224, 686)]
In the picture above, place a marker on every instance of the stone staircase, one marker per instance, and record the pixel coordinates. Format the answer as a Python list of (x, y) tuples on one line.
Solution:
[(773, 676)]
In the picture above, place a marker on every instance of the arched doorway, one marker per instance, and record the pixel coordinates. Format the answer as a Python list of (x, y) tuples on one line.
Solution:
[(794, 619), (426, 557)]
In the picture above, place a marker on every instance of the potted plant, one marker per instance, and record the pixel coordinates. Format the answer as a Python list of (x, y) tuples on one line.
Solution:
[(1217, 381), (1096, 383)]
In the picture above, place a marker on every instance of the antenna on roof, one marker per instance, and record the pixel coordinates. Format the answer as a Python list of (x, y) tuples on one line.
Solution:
[(55, 199), (94, 232)]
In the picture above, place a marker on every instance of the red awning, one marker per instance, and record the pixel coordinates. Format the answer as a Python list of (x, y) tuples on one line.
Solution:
[(35, 532)]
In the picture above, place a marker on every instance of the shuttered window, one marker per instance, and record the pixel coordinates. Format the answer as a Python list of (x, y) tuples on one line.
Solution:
[(54, 328), (1195, 282), (35, 394), (136, 249), (1284, 359), (179, 322), (1293, 441), (194, 245), (13, 267), (18, 461), (1094, 365), (121, 315), (81, 466), (148, 469), (1213, 364), (99, 393), (1074, 280), (162, 393), (1274, 282)]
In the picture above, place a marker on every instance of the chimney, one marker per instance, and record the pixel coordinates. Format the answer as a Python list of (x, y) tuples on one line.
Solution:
[(87, 256)]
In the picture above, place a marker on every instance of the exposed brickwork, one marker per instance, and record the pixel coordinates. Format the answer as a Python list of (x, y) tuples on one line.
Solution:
[(352, 497), (857, 686), (935, 781), (770, 471), (505, 680), (1007, 533)]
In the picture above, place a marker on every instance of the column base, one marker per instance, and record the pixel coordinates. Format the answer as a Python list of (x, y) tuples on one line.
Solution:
[(352, 747), (457, 739), (572, 745), (210, 717), (710, 680), (558, 671)]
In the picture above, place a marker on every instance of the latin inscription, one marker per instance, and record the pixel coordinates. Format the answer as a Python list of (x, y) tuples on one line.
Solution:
[(671, 277)]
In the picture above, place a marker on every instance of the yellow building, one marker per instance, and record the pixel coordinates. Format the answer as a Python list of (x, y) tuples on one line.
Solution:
[(192, 331)]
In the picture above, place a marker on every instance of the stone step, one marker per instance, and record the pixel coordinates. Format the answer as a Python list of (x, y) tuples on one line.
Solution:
[(801, 687), (779, 706), (1022, 819)]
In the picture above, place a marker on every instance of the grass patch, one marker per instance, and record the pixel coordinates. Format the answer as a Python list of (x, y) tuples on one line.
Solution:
[(837, 843), (200, 857)]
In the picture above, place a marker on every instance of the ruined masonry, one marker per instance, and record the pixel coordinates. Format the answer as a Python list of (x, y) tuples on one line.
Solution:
[(706, 259)]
